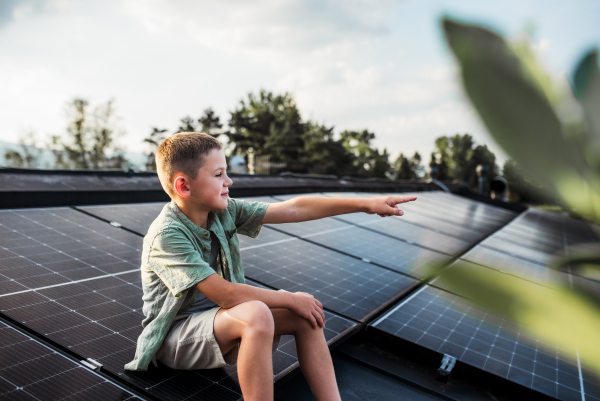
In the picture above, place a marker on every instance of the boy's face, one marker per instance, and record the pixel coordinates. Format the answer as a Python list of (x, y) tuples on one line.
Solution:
[(209, 191)]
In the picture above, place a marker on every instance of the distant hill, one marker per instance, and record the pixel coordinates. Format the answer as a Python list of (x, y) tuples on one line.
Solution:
[(137, 161)]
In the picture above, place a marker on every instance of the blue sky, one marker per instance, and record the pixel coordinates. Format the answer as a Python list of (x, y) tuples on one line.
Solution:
[(380, 65)]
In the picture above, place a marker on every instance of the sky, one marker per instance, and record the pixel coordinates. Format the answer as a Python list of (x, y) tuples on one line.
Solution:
[(353, 64)]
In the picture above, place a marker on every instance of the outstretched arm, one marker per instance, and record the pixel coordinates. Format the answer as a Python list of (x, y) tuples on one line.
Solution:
[(312, 207)]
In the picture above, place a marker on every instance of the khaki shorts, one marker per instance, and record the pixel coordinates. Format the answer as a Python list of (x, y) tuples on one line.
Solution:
[(191, 344)]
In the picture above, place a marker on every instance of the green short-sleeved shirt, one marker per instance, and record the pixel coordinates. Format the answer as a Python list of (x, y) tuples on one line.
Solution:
[(175, 257)]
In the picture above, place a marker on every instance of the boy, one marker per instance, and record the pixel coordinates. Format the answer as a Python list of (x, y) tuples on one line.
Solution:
[(199, 313)]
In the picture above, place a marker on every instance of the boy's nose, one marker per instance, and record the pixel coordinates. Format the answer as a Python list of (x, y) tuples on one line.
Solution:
[(228, 182)]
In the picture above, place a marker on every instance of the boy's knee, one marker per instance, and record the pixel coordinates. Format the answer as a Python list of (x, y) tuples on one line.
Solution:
[(259, 318)]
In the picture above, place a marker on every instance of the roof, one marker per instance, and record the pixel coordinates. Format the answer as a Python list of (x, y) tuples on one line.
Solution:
[(71, 291)]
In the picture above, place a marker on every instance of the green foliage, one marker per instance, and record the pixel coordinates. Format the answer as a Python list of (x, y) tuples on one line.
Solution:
[(553, 139), (324, 155), (210, 123), (368, 161), (457, 157), (520, 116), (523, 188), (272, 126), (153, 141), (90, 138), (408, 169), (28, 156)]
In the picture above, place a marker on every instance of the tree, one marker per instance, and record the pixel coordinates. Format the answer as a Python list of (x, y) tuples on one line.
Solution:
[(324, 155), (90, 139), (187, 124), (153, 140), (271, 125), (439, 167), (408, 169), (456, 159), (29, 154), (368, 161), (210, 123)]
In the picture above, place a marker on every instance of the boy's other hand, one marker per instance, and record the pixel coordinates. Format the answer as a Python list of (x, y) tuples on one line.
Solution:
[(386, 206), (306, 306)]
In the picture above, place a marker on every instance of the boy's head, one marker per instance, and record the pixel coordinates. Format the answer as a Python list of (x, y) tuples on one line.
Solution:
[(180, 157)]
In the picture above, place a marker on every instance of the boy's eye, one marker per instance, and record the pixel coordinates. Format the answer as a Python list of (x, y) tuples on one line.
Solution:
[(218, 175)]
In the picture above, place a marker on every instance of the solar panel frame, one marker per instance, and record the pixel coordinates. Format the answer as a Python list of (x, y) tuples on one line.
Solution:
[(59, 246), (29, 368), (136, 217), (450, 324), (506, 263)]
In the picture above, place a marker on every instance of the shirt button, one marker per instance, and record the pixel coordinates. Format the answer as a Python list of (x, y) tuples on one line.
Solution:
[(206, 248), (206, 234)]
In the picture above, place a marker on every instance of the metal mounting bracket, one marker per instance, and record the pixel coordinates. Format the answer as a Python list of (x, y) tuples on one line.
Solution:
[(443, 373)]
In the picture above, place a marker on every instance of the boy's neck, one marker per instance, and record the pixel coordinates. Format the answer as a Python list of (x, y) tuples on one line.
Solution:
[(197, 215)]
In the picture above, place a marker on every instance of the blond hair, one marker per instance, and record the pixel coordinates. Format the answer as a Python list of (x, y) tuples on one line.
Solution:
[(184, 152)]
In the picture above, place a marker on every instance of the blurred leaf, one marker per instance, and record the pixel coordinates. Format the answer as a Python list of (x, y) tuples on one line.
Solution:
[(557, 316), (586, 86), (535, 72), (519, 116)]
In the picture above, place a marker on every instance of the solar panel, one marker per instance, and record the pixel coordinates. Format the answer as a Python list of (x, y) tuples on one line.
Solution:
[(512, 265), (135, 217), (452, 325), (48, 247), (31, 370), (418, 218), (101, 319), (410, 233), (383, 250), (520, 251), (343, 284)]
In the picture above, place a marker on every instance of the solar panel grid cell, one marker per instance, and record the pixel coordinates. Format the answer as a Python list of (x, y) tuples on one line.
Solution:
[(343, 284), (422, 217), (383, 250), (410, 233), (30, 370), (469, 213), (58, 246), (503, 262), (520, 251), (453, 325), (135, 217)]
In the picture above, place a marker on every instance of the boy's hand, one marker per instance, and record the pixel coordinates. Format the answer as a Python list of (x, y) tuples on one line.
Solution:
[(386, 206), (306, 306)]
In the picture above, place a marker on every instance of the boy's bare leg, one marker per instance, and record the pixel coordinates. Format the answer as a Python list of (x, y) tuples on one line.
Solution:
[(252, 322), (313, 353)]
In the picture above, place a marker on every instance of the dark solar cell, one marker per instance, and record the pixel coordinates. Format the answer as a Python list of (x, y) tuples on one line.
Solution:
[(509, 264), (343, 284), (421, 217), (411, 233), (389, 252), (30, 370), (58, 246), (520, 251), (135, 217), (453, 325), (101, 319)]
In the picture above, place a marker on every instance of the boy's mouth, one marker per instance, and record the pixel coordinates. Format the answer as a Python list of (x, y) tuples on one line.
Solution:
[(225, 194)]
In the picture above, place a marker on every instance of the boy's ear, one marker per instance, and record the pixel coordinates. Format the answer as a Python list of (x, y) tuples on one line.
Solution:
[(180, 185)]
